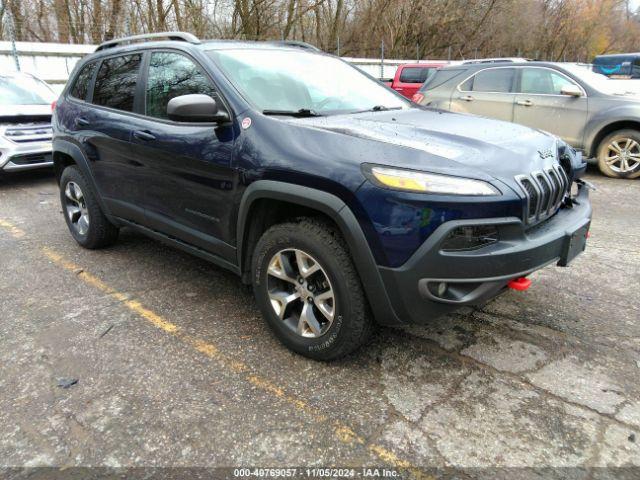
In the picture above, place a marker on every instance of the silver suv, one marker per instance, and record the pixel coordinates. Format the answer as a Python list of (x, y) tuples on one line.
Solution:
[(25, 122), (587, 110)]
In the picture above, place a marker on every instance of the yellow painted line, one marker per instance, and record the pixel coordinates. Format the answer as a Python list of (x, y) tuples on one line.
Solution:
[(342, 432), (12, 229)]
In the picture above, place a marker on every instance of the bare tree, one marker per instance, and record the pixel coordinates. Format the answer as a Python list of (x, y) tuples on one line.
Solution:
[(549, 29)]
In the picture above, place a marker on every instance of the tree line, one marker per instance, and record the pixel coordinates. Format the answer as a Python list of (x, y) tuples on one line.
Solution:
[(571, 30)]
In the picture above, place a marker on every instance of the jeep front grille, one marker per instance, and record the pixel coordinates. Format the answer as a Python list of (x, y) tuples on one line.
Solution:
[(544, 191)]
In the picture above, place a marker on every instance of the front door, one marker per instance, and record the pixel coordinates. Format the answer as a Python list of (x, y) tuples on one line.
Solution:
[(541, 104), (488, 93), (191, 179), (107, 135)]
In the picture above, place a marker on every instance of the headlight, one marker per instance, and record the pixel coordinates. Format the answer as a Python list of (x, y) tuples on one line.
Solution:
[(410, 180)]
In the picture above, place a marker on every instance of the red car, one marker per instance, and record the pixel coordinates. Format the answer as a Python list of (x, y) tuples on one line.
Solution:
[(410, 76)]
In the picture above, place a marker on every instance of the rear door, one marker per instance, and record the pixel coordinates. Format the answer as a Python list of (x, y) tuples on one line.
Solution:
[(411, 79), (488, 92), (190, 180), (541, 104), (106, 127)]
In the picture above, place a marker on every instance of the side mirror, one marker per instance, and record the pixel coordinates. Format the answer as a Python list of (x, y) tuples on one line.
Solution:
[(195, 108), (572, 90)]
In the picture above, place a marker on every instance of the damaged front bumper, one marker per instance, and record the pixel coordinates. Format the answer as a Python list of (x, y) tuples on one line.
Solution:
[(434, 282)]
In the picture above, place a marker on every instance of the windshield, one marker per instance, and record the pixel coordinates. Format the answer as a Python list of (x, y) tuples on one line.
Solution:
[(598, 81), (291, 80), (24, 90)]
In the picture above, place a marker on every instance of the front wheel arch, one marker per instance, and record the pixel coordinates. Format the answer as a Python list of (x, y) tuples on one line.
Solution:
[(333, 208)]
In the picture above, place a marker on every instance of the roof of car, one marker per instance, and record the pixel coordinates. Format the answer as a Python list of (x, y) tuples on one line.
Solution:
[(206, 45), (483, 66), (222, 44), (430, 63), (183, 39), (613, 55)]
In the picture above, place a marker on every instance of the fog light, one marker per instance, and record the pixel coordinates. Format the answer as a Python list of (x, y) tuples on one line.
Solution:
[(470, 238), (442, 289)]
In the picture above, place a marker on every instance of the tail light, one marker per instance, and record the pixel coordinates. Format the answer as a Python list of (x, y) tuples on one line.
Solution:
[(417, 97), (53, 105)]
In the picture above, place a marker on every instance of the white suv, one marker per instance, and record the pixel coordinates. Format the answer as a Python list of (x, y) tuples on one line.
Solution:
[(25, 122)]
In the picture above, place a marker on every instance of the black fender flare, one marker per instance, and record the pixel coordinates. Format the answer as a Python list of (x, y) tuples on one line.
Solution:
[(341, 214), (80, 159)]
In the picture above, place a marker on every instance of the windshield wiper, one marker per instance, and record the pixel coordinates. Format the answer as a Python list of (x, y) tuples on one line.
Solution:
[(378, 108), (302, 113)]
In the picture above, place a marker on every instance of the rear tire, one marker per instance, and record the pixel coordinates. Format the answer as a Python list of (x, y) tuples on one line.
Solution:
[(85, 219), (331, 296), (619, 154)]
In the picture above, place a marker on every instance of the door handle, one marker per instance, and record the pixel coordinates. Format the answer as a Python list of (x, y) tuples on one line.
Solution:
[(82, 122), (525, 103), (144, 135), (467, 98)]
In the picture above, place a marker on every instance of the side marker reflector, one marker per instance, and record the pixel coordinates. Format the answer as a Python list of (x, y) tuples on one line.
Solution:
[(521, 284)]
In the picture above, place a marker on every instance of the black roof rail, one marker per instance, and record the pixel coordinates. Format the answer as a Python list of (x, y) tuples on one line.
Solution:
[(180, 36), (296, 43)]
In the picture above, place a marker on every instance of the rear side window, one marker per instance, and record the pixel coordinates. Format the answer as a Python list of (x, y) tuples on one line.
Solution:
[(81, 85), (497, 80), (116, 82), (416, 74), (172, 75), (440, 77)]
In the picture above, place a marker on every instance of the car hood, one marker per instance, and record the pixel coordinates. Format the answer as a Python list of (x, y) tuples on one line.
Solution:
[(13, 111), (465, 145)]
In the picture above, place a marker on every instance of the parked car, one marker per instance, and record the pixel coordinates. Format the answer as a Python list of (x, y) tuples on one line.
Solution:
[(625, 65), (410, 76), (587, 110), (340, 201), (25, 122), (494, 60)]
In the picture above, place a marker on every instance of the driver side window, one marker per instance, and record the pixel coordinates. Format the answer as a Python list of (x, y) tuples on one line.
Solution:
[(171, 75)]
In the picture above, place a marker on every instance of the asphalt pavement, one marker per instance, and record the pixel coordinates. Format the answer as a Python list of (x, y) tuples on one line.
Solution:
[(143, 356)]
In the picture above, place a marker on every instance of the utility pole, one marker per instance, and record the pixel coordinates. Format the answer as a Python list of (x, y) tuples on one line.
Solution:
[(628, 13), (381, 59), (12, 36)]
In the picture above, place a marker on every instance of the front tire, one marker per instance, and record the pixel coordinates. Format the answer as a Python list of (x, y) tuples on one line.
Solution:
[(308, 290), (619, 154), (85, 219)]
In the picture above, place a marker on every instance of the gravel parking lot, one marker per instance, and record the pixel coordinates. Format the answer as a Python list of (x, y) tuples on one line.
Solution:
[(175, 367)]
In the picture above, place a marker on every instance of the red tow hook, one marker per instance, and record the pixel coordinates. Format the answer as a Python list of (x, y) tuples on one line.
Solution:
[(521, 284)]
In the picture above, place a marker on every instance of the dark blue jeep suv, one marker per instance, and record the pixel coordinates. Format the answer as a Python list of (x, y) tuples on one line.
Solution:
[(341, 202)]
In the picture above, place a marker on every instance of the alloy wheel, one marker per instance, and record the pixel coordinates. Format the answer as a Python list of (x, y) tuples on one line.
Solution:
[(300, 293), (623, 155), (76, 208)]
